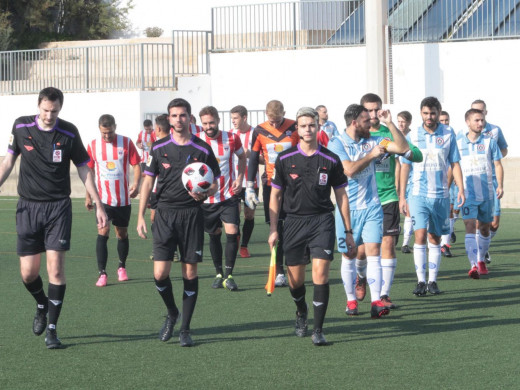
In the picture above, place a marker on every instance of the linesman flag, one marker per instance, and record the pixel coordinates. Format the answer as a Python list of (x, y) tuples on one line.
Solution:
[(269, 287)]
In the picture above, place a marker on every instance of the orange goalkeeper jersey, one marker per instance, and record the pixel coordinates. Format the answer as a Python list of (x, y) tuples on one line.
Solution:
[(270, 141)]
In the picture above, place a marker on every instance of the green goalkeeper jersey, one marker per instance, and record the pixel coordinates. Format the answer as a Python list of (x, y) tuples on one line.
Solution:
[(385, 169)]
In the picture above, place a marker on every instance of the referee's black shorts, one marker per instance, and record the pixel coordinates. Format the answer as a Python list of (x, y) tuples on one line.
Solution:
[(182, 228), (315, 232), (43, 226)]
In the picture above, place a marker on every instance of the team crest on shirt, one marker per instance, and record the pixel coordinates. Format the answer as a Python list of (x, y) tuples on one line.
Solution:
[(294, 176), (366, 147), (166, 165), (120, 151), (288, 133), (480, 148), (439, 141), (56, 155), (323, 179)]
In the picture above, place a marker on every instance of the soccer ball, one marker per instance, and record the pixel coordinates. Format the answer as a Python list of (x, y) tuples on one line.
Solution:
[(197, 177)]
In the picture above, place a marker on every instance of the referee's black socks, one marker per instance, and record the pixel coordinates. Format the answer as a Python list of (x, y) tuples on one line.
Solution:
[(247, 231), (56, 295), (36, 289), (164, 287), (320, 303), (189, 299), (298, 295)]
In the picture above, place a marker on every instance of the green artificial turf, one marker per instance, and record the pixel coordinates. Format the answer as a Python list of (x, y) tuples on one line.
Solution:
[(465, 338)]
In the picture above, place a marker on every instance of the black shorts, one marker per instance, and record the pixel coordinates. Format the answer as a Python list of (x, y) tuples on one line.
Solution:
[(143, 166), (178, 228), (315, 232), (153, 200), (216, 213), (391, 219), (43, 226), (266, 194), (119, 216)]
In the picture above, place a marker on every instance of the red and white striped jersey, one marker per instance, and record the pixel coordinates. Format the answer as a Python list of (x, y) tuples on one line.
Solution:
[(195, 129), (111, 162), (225, 146), (147, 139), (247, 140)]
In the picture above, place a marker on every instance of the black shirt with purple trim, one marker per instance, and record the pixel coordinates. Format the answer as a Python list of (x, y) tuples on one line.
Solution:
[(46, 156), (167, 161), (306, 181)]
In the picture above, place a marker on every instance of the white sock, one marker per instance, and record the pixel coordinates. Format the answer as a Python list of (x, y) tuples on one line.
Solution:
[(445, 239), (483, 246), (361, 268), (452, 224), (374, 277), (492, 234), (388, 272), (407, 230), (347, 275), (434, 262), (471, 249), (419, 258)]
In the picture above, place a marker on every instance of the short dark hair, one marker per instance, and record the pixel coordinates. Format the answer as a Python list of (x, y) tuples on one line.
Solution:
[(240, 110), (431, 102), (163, 122), (445, 113), (106, 120), (147, 123), (52, 94), (209, 110), (472, 111), (479, 101), (319, 107), (179, 102), (370, 98), (406, 115), (353, 112)]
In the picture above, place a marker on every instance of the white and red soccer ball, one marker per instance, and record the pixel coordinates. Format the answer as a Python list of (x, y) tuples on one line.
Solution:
[(197, 177)]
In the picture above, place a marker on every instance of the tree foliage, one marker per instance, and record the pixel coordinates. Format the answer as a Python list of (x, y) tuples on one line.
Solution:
[(36, 21), (153, 32)]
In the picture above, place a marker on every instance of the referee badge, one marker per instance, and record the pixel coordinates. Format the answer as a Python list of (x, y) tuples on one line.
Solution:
[(56, 155), (323, 179)]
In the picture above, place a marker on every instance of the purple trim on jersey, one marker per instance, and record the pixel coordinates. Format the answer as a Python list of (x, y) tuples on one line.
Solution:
[(276, 186), (290, 154), (71, 135), (206, 151), (149, 173), (12, 152), (83, 163), (165, 143), (327, 157), (341, 185), (25, 125)]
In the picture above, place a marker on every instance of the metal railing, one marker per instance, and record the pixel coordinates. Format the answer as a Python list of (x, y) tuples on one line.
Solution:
[(191, 50), (274, 26), (88, 69)]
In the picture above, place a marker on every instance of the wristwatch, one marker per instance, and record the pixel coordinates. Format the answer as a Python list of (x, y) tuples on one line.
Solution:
[(348, 231)]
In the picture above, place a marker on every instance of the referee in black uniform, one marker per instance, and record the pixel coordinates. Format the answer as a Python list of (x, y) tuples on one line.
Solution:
[(47, 145), (178, 219), (304, 175)]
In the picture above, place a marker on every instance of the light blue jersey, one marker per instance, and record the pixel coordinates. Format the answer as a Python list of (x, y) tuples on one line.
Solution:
[(330, 129), (495, 132), (430, 177), (362, 187), (477, 162)]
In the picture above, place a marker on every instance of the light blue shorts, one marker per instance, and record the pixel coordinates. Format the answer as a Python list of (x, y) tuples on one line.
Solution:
[(429, 213), (367, 226), (481, 211)]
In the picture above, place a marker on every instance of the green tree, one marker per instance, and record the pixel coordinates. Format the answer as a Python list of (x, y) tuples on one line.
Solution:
[(37, 21), (5, 31)]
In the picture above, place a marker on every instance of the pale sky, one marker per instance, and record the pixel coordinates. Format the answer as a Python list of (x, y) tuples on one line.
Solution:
[(178, 14)]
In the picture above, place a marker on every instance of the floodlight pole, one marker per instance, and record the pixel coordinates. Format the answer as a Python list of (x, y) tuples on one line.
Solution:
[(376, 20)]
